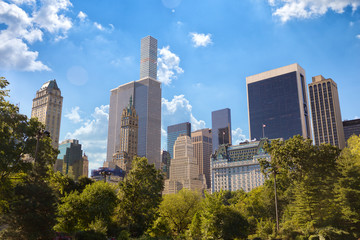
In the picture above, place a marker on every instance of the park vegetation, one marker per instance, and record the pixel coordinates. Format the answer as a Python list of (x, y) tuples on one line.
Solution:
[(317, 195)]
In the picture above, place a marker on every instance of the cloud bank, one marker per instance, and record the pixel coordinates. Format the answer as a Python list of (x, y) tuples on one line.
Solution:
[(168, 66), (25, 28), (302, 9), (92, 134)]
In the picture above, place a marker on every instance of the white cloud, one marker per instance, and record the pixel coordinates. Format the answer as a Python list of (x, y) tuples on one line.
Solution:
[(358, 36), (82, 16), (163, 132), (98, 26), (74, 115), (238, 136), (93, 135), (168, 66), (201, 39), (25, 28), (289, 9), (48, 17), (177, 110)]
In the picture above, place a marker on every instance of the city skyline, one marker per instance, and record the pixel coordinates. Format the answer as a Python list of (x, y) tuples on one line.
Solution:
[(202, 61)]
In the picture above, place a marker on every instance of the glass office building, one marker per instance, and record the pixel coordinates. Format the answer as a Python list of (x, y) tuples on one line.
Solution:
[(70, 156), (173, 132), (351, 127), (277, 103), (221, 127)]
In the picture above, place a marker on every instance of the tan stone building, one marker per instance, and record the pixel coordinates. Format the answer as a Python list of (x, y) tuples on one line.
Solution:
[(127, 148), (325, 110), (202, 142), (47, 106), (85, 165), (184, 168)]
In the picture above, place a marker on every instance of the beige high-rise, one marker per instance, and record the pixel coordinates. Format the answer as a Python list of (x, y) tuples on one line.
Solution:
[(202, 142), (85, 165), (184, 168), (47, 106), (325, 110)]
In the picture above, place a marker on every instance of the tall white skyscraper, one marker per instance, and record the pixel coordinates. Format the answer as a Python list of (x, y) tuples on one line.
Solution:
[(146, 93)]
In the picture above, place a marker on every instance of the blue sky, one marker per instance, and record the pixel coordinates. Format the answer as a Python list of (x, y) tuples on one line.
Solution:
[(206, 50)]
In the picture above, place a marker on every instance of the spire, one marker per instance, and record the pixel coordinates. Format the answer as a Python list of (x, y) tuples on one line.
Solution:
[(130, 105)]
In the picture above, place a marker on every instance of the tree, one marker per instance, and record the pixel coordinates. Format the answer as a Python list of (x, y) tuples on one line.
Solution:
[(310, 173), (177, 210), (31, 213), (348, 186), (218, 221), (139, 197), (27, 204), (90, 210)]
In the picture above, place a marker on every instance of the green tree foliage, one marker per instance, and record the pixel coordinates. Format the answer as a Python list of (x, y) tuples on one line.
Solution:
[(27, 203), (310, 173), (31, 213), (139, 197), (63, 184), (176, 211), (256, 206), (217, 221), (348, 187), (90, 210)]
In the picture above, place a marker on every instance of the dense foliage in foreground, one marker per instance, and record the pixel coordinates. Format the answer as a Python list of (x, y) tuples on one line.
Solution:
[(317, 189)]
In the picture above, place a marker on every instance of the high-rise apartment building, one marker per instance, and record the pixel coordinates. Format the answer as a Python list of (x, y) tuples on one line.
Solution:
[(202, 142), (47, 107), (184, 168), (146, 94), (277, 103), (173, 132), (221, 127), (71, 157), (351, 127), (127, 149), (325, 111), (237, 167)]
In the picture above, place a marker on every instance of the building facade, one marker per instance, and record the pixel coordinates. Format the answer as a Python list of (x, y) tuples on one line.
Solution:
[(325, 112), (202, 143), (221, 127), (351, 127), (127, 149), (277, 103), (237, 167), (165, 163), (173, 132), (46, 107), (146, 94), (85, 165), (71, 158), (184, 168)]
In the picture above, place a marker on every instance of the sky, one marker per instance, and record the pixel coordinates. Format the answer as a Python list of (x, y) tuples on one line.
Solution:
[(206, 49)]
